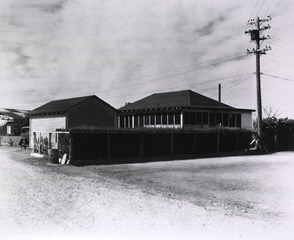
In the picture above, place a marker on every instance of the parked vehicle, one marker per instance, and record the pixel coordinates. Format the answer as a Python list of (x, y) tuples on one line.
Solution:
[(25, 134)]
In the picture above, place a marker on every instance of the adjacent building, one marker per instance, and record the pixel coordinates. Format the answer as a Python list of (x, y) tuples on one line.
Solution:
[(8, 117), (69, 113), (182, 109)]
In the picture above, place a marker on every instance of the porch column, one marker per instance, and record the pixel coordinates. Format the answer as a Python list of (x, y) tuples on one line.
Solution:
[(182, 119), (133, 121), (174, 119)]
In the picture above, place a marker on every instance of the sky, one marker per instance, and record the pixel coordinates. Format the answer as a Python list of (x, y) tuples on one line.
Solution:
[(124, 50)]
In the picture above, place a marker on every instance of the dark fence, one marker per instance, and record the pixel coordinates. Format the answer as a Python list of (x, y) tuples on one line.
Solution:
[(123, 146)]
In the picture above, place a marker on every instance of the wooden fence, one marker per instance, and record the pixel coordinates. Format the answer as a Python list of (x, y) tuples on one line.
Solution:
[(113, 147)]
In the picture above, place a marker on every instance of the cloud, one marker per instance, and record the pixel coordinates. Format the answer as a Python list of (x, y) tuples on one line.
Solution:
[(210, 26), (97, 46), (21, 58), (52, 8)]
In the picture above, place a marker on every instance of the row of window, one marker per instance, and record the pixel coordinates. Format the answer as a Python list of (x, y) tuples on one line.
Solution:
[(174, 118), (212, 119), (141, 120)]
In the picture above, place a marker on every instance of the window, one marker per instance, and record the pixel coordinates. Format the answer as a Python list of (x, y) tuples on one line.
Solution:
[(170, 118), (232, 120), (130, 121), (164, 119), (147, 122), (225, 119), (141, 120), (186, 118), (8, 130), (239, 120), (205, 118), (219, 120), (127, 121), (199, 117), (212, 119), (121, 121), (192, 118), (158, 119), (152, 119), (177, 118), (136, 120)]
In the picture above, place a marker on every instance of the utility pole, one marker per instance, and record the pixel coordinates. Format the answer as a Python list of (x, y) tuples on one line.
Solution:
[(258, 39)]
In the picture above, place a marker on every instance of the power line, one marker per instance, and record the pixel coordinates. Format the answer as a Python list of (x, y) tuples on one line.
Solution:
[(286, 79), (259, 9), (196, 64), (282, 24), (170, 76), (164, 77), (183, 67), (272, 69), (253, 10), (237, 83), (181, 86), (269, 6), (276, 8), (238, 77), (252, 13)]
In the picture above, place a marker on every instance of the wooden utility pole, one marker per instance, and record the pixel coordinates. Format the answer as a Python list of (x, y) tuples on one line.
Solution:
[(258, 39)]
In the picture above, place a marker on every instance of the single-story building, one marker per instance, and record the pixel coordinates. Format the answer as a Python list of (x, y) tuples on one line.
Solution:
[(182, 109), (69, 113), (7, 118)]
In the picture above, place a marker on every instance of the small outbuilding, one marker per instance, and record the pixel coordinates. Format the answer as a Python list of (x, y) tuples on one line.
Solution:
[(8, 119), (69, 113)]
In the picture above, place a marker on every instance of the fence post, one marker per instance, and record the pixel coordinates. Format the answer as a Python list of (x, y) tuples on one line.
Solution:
[(71, 149), (108, 145), (194, 143), (172, 144), (142, 146), (237, 141), (217, 142)]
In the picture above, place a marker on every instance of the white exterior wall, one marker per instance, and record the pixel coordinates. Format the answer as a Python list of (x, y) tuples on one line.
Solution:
[(44, 124), (246, 121)]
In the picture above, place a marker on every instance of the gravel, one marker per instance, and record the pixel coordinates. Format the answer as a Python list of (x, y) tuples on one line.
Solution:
[(244, 197)]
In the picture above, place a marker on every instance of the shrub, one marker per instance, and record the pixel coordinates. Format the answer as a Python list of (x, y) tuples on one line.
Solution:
[(278, 134)]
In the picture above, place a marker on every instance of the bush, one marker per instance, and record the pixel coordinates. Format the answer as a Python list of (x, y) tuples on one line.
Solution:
[(278, 134), (18, 123)]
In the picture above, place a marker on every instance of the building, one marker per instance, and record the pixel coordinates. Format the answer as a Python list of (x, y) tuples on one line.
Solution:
[(182, 109), (69, 113), (8, 117)]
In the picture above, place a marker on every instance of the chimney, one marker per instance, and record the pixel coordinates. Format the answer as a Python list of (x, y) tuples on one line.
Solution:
[(219, 92)]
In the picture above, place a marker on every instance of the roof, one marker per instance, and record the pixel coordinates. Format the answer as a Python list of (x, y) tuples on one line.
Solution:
[(13, 113), (181, 99), (63, 105)]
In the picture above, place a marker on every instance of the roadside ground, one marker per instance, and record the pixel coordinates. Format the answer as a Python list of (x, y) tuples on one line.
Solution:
[(243, 197)]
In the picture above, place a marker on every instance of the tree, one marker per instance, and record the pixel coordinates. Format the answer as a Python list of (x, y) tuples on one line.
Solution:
[(278, 134)]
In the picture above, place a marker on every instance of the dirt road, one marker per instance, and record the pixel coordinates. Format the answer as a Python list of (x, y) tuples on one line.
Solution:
[(43, 201)]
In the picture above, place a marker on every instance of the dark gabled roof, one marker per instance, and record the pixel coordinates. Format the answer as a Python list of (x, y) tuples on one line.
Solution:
[(185, 98), (63, 105)]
